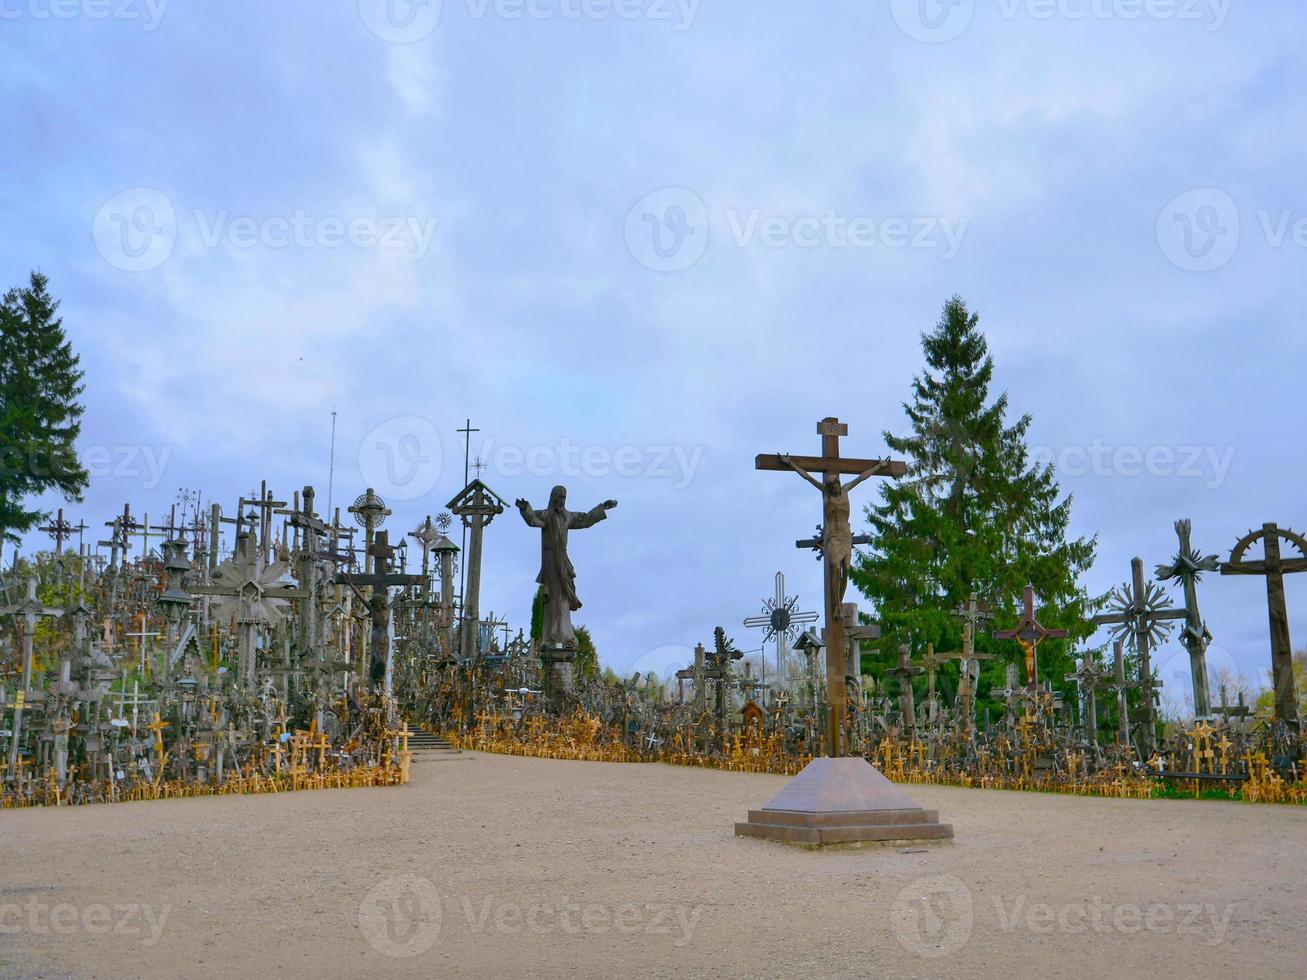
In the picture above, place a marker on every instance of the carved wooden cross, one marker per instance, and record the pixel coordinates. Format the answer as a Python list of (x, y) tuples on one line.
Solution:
[(905, 671), (1088, 674), (1143, 615), (1188, 567), (1029, 632), (60, 529), (1120, 685), (836, 546), (972, 612), (1274, 567)]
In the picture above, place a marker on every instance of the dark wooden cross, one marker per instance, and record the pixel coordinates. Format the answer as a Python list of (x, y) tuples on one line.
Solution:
[(1144, 616), (836, 547), (1029, 632), (120, 528), (905, 671), (1118, 684), (377, 601), (1088, 676), (973, 612), (1273, 567), (60, 530), (718, 669), (1188, 567)]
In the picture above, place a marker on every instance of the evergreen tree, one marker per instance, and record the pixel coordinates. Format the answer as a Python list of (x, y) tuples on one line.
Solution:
[(585, 665), (974, 513), (40, 406), (538, 614)]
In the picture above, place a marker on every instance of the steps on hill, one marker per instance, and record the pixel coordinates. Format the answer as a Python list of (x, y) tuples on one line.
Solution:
[(424, 741)]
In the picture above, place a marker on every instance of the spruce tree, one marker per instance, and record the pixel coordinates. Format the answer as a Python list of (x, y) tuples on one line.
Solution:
[(40, 406), (585, 664), (974, 513)]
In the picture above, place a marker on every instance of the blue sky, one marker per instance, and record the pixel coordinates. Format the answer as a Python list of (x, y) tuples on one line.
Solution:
[(638, 242)]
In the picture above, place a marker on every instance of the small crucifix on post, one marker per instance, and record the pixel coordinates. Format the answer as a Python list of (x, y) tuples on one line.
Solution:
[(836, 546), (1029, 632)]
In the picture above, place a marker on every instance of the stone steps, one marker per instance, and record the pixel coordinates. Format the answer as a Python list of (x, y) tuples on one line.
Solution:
[(423, 741)]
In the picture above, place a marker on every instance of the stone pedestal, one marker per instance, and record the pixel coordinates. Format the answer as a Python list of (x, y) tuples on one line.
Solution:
[(556, 664), (842, 801)]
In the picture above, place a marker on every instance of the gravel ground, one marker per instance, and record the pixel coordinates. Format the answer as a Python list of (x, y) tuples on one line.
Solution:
[(489, 866)]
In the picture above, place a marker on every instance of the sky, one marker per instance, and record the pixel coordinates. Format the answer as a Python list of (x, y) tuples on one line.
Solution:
[(638, 242)]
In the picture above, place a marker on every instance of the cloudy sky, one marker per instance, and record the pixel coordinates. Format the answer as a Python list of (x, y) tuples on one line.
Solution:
[(639, 241)]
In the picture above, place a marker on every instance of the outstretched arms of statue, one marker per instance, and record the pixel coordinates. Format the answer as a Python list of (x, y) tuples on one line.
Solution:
[(529, 514), (785, 459), (880, 465), (591, 517)]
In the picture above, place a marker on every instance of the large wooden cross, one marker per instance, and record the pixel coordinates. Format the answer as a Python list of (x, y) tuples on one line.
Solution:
[(1273, 568), (836, 547)]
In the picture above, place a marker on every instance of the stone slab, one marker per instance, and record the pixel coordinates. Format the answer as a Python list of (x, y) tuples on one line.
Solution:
[(842, 801)]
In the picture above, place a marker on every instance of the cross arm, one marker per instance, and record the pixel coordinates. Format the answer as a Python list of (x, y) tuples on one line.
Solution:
[(1287, 566), (831, 464)]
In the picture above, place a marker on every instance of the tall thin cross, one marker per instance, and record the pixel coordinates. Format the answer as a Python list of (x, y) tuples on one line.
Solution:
[(466, 432), (1189, 566), (1273, 567), (836, 546), (973, 612)]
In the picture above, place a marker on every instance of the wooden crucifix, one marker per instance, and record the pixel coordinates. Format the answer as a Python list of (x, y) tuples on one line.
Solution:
[(836, 546), (1088, 677), (1273, 567), (1029, 632), (973, 612), (905, 671)]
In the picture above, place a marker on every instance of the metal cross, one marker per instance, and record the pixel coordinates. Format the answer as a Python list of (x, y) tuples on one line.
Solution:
[(780, 621)]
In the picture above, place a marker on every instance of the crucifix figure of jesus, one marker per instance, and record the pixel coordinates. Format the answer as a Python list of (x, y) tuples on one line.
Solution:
[(836, 545)]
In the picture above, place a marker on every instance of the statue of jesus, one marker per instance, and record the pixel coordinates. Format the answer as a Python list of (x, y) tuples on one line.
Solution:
[(557, 577)]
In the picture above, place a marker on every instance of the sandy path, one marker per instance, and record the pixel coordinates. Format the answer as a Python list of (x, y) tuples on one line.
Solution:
[(547, 868)]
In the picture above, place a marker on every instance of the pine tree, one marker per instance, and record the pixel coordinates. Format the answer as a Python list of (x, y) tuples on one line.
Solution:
[(585, 664), (40, 406), (974, 513), (538, 613)]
